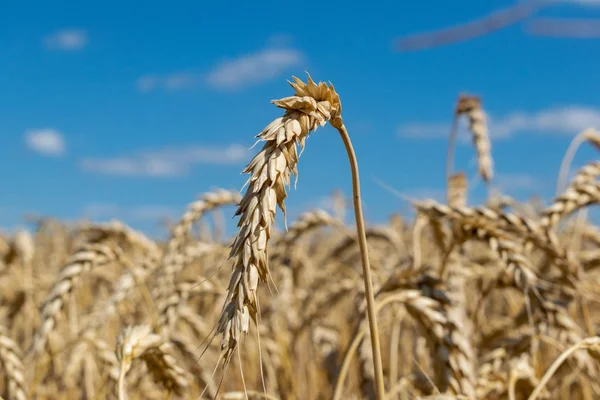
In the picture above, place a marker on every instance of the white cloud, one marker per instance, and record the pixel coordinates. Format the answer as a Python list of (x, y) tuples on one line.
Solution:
[(67, 40), (232, 74), (166, 162), (253, 68), (48, 142), (568, 120), (565, 27), (143, 213)]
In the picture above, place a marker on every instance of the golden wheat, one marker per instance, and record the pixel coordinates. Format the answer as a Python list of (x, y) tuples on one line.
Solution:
[(473, 301)]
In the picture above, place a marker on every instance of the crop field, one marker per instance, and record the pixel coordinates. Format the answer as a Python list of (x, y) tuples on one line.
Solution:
[(462, 301)]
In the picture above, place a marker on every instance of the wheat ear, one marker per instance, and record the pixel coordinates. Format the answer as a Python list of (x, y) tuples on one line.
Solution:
[(475, 224), (10, 357), (307, 222), (471, 107), (576, 196), (312, 105), (169, 308), (512, 223), (172, 263), (82, 261), (140, 342)]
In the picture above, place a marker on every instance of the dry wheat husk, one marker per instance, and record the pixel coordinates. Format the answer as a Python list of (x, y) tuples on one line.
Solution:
[(12, 365), (140, 342), (471, 107), (88, 257), (270, 172)]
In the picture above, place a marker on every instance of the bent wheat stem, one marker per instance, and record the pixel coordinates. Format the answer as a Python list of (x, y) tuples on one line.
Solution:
[(588, 135), (364, 253), (586, 343)]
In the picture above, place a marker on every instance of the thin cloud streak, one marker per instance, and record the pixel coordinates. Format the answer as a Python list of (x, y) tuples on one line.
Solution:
[(253, 69), (568, 120), (167, 162), (66, 40), (565, 28), (473, 29), (495, 21), (233, 74)]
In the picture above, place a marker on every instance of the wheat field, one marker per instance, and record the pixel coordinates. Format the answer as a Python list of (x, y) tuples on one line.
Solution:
[(491, 301)]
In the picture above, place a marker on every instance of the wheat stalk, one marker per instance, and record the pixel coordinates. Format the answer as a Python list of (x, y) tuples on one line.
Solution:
[(457, 190), (591, 343), (270, 171), (588, 135)]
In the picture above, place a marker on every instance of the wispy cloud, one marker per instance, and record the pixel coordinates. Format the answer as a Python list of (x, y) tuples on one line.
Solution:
[(482, 26), (231, 74), (48, 142), (253, 68), (143, 213), (167, 162), (66, 40), (567, 120), (565, 27)]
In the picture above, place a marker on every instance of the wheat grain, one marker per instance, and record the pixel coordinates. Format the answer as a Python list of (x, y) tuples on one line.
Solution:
[(471, 107), (14, 372), (140, 342), (82, 261), (270, 171)]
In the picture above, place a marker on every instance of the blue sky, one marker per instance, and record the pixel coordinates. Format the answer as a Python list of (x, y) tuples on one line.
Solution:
[(119, 110)]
